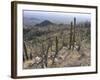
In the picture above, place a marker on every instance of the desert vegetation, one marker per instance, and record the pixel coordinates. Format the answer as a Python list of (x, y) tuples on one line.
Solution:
[(51, 45)]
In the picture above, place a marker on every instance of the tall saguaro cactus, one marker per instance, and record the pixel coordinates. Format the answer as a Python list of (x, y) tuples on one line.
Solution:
[(74, 31), (42, 54), (46, 55), (56, 52), (56, 46), (71, 34), (25, 51)]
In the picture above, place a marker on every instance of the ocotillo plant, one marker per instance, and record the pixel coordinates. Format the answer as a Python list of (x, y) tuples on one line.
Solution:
[(25, 51)]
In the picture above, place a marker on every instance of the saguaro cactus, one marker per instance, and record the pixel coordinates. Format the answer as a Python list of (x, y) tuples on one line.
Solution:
[(56, 46), (71, 34), (25, 51), (31, 56), (74, 31), (46, 55), (56, 52), (42, 54), (79, 38), (51, 43), (23, 57)]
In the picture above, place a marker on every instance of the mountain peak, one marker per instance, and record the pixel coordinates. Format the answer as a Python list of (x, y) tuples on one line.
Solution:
[(45, 23)]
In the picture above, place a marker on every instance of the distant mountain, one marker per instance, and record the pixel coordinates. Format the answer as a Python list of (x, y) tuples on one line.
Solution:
[(45, 23), (30, 21)]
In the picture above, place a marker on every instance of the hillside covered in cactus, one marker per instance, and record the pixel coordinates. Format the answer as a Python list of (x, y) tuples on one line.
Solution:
[(54, 40)]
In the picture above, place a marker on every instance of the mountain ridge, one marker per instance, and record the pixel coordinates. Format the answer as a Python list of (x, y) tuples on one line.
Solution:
[(45, 23)]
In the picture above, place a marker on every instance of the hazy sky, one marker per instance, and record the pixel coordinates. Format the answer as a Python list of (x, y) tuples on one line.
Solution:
[(56, 17)]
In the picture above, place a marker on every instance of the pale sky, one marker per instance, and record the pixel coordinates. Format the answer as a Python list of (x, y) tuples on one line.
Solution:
[(56, 17)]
